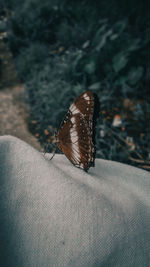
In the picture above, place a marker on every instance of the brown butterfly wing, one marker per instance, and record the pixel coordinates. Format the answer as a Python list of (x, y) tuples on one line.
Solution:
[(76, 137), (75, 141), (84, 105), (88, 105)]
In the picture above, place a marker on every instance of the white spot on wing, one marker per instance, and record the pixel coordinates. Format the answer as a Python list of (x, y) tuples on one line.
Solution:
[(74, 109), (73, 120), (86, 97), (74, 141)]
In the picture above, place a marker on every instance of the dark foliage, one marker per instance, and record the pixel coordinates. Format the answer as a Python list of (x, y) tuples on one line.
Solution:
[(62, 48)]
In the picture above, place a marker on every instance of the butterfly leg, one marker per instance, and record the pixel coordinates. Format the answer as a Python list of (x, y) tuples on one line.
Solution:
[(53, 154), (45, 149)]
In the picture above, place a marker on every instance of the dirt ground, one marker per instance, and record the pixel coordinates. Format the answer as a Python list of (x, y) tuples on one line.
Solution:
[(13, 110)]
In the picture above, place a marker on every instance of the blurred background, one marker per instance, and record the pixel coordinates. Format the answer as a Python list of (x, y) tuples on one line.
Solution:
[(52, 51)]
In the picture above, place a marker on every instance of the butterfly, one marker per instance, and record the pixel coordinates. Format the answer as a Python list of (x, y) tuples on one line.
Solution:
[(76, 135)]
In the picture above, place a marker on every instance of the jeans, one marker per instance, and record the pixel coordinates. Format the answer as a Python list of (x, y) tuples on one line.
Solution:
[(54, 214)]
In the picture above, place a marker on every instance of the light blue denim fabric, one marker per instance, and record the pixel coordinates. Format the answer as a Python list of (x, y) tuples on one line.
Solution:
[(54, 214)]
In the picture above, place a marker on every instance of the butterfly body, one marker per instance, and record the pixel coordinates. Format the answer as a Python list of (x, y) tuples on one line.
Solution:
[(76, 135)]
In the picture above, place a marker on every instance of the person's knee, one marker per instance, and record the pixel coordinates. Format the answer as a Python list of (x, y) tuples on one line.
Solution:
[(13, 147), (7, 141), (13, 153)]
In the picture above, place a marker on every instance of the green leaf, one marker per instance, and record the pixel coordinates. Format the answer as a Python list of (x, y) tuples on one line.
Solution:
[(103, 40), (121, 80), (135, 45), (120, 26), (77, 88), (135, 75), (90, 67), (95, 86), (101, 36), (120, 61)]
